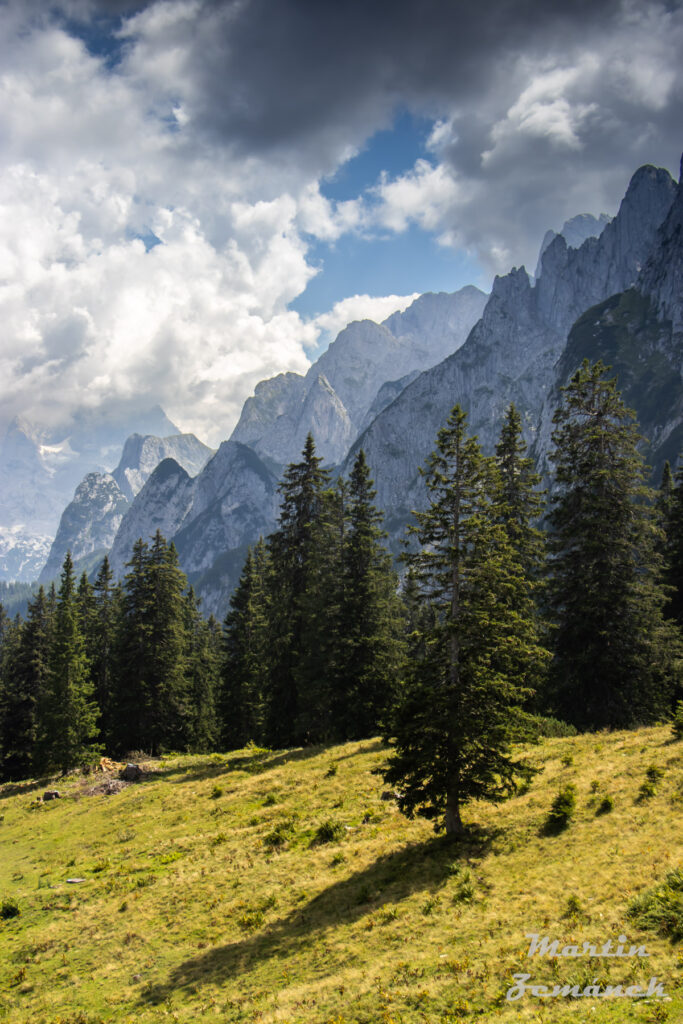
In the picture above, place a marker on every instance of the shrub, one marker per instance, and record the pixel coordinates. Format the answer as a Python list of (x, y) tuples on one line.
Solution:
[(561, 810), (331, 771), (216, 792), (280, 834), (661, 908), (605, 806), (654, 774), (270, 800), (551, 728), (567, 761), (677, 723), (329, 831), (9, 908)]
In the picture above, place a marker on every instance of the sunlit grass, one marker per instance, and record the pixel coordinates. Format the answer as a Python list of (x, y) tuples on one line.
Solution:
[(280, 886)]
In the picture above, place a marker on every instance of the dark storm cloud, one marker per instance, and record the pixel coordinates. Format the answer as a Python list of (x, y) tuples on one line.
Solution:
[(297, 72), (304, 82)]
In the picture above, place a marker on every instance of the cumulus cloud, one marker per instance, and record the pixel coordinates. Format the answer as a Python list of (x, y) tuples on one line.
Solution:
[(207, 126), (360, 307)]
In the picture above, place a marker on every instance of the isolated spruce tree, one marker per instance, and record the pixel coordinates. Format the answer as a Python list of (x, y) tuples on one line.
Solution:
[(68, 721), (246, 655), (459, 709), (370, 620), (294, 550), (614, 655)]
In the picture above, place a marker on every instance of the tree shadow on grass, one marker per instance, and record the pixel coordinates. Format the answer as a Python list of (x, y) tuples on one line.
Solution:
[(390, 879), (255, 762)]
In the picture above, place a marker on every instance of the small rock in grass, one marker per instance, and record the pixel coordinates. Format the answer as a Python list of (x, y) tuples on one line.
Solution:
[(131, 773), (51, 794)]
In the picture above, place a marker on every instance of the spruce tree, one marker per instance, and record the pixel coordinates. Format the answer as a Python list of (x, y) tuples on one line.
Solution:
[(26, 677), (68, 720), (459, 709), (294, 551), (518, 502), (102, 644), (130, 707), (371, 620), (17, 705), (202, 667), (246, 655), (671, 508), (614, 655)]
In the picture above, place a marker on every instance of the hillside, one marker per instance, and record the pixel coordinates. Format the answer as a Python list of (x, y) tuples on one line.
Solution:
[(205, 894)]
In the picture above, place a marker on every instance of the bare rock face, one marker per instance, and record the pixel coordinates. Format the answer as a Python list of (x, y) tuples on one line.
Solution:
[(511, 352), (143, 453), (162, 504), (333, 400), (88, 524)]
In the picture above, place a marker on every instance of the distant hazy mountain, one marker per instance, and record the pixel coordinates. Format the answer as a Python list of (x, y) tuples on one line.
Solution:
[(89, 523), (40, 469)]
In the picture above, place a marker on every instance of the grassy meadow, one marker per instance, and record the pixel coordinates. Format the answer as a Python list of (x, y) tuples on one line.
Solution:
[(266, 887)]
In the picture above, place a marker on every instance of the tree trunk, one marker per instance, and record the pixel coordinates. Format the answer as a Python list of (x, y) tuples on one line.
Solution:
[(453, 821)]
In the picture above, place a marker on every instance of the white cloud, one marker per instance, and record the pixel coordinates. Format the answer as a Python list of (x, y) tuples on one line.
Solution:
[(361, 307)]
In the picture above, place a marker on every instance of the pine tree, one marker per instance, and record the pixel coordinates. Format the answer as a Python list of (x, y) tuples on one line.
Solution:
[(670, 505), (294, 550), (130, 706), (26, 687), (459, 709), (68, 720), (17, 705), (102, 644), (201, 660), (245, 662), (322, 651), (614, 655), (169, 720), (518, 502), (371, 621)]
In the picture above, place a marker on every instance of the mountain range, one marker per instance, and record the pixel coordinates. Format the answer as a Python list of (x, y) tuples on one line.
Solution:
[(610, 289)]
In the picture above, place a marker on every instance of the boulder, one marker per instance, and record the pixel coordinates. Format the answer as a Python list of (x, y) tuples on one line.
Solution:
[(51, 794), (131, 773)]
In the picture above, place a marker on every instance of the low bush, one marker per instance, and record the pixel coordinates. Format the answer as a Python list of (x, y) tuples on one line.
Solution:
[(561, 810), (661, 908)]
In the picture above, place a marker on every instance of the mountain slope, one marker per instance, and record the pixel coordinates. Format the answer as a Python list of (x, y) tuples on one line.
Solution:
[(333, 399), (511, 352), (205, 894)]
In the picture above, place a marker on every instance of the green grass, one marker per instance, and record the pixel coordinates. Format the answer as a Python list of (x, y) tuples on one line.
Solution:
[(190, 911)]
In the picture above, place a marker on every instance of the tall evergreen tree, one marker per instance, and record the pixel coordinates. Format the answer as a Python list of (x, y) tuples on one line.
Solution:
[(26, 680), (294, 551), (371, 620), (246, 655), (130, 711), (671, 509), (459, 710), (202, 667), (68, 720), (17, 705), (614, 655), (518, 502), (102, 644)]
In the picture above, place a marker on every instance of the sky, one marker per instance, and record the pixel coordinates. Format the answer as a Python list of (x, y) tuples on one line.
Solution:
[(199, 194)]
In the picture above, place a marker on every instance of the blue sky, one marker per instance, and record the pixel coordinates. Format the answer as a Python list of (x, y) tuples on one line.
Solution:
[(383, 262), (181, 218)]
